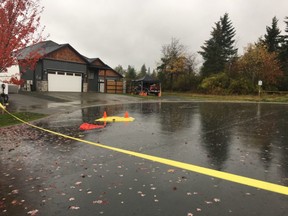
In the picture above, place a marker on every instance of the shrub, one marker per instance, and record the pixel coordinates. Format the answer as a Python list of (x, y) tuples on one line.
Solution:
[(241, 86), (216, 84)]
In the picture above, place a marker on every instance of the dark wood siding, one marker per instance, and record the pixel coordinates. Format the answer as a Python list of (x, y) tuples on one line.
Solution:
[(66, 54), (109, 73)]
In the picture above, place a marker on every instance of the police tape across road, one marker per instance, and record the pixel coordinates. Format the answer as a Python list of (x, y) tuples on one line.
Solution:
[(190, 167)]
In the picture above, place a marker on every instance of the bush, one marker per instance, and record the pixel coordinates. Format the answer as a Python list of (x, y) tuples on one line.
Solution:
[(186, 83), (216, 84), (241, 86)]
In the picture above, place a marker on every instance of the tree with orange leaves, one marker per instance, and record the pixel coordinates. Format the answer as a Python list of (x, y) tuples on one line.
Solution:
[(258, 64), (19, 28)]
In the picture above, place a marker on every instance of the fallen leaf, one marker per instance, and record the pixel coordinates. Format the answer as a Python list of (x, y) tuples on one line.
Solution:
[(15, 191), (170, 170), (74, 207), (78, 183), (33, 212)]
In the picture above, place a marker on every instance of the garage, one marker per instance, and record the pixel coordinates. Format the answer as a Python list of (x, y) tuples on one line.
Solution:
[(61, 81)]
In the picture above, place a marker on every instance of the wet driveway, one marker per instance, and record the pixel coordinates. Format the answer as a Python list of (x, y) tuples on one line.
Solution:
[(50, 175)]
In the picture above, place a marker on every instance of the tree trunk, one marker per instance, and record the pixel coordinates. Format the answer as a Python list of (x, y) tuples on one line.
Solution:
[(171, 82)]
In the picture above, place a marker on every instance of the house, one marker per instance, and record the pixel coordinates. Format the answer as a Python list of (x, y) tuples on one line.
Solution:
[(61, 68)]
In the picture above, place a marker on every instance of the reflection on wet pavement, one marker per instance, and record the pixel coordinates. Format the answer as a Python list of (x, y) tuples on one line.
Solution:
[(49, 175)]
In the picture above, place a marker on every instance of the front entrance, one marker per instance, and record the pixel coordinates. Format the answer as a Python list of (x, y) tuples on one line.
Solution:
[(93, 81)]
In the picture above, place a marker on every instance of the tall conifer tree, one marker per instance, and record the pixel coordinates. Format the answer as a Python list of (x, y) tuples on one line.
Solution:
[(283, 57), (219, 49), (272, 37)]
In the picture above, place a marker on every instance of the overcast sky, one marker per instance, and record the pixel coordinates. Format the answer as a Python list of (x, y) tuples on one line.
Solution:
[(132, 32)]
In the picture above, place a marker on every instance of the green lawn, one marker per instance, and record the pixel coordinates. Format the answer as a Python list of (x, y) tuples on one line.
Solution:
[(6, 119), (263, 98)]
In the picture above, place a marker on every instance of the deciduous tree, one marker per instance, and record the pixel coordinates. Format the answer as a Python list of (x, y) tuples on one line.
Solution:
[(19, 28), (175, 61), (259, 64)]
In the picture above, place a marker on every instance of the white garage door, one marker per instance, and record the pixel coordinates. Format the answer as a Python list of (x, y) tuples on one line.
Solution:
[(64, 81)]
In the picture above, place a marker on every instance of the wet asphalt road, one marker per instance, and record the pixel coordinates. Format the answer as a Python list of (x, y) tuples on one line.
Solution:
[(49, 175)]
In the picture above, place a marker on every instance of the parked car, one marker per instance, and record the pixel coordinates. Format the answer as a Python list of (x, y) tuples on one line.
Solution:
[(154, 89)]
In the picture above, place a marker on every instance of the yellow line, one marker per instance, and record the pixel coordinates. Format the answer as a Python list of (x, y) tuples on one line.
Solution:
[(202, 170)]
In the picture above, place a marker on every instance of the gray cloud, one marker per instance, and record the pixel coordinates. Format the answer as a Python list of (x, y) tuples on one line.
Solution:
[(132, 32)]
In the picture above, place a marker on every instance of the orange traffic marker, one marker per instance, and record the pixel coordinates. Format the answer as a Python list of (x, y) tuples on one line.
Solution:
[(126, 115), (105, 115)]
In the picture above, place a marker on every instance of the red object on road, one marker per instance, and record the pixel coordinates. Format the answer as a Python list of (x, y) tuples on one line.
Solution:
[(87, 126)]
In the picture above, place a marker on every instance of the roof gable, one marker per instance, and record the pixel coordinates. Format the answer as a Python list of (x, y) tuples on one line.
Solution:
[(98, 63), (52, 50), (66, 53)]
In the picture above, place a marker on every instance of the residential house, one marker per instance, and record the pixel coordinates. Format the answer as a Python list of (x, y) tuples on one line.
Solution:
[(61, 68)]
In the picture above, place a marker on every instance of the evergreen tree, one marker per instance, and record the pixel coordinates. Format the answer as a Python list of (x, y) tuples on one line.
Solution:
[(219, 49), (228, 43), (143, 71), (131, 73), (212, 53), (154, 74), (283, 58), (272, 38)]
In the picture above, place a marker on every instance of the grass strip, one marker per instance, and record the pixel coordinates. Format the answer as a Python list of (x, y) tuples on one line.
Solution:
[(7, 120)]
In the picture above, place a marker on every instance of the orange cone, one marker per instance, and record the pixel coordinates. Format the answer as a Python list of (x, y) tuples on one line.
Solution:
[(126, 115), (105, 115)]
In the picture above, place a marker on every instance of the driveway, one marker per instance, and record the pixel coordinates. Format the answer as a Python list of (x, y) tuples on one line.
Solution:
[(57, 102)]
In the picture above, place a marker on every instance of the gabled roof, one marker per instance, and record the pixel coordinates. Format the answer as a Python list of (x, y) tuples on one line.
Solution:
[(42, 48), (101, 67), (147, 79)]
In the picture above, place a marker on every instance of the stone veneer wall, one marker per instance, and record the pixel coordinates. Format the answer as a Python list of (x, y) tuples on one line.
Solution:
[(42, 86), (85, 87)]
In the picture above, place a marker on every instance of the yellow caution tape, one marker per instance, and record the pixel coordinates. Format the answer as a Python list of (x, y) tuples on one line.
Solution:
[(202, 170)]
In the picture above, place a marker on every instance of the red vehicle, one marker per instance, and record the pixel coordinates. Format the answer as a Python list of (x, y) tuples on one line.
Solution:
[(154, 89)]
